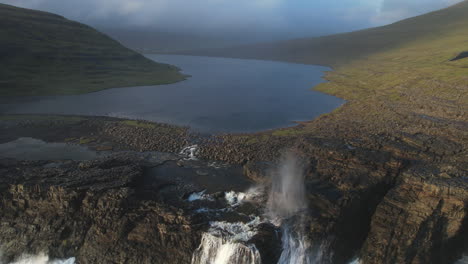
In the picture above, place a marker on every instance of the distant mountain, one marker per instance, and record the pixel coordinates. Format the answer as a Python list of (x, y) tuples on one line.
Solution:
[(419, 62), (343, 48), (43, 53), (155, 41)]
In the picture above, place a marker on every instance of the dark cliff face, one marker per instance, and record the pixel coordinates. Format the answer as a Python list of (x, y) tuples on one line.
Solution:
[(392, 208), (91, 211), (382, 207), (400, 201), (377, 207), (423, 219)]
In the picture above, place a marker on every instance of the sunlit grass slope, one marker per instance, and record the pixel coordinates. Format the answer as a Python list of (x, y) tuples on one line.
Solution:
[(398, 80), (414, 68), (42, 53), (409, 56), (411, 85)]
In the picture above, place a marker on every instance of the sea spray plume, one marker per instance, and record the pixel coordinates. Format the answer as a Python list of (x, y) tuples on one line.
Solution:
[(287, 194), (287, 207)]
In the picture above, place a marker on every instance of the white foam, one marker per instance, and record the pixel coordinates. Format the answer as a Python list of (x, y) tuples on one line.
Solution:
[(234, 198), (190, 152), (237, 198), (237, 231), (199, 196), (41, 258), (219, 250), (227, 243)]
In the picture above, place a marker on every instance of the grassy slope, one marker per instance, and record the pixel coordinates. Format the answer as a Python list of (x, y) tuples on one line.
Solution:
[(413, 54), (416, 64), (341, 49), (398, 79), (411, 86), (43, 53)]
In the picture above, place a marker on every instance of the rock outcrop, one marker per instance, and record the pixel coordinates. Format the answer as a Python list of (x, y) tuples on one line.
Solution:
[(91, 211), (460, 56), (385, 198), (388, 206), (423, 219)]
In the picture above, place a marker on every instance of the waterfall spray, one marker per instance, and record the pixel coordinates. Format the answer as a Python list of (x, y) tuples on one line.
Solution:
[(229, 243), (286, 206), (287, 194)]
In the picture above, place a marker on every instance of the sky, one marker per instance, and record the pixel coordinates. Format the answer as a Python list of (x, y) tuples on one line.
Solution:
[(287, 18)]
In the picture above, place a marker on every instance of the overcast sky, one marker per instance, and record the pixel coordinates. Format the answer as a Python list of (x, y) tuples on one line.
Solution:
[(291, 18)]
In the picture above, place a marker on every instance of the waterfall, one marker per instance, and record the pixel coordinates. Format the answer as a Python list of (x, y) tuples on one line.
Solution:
[(296, 247), (286, 207), (227, 243), (219, 250)]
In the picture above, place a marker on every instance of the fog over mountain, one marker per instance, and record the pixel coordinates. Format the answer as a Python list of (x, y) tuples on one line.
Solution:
[(274, 18)]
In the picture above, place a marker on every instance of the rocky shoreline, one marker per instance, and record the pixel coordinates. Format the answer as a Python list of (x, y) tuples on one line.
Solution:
[(383, 198)]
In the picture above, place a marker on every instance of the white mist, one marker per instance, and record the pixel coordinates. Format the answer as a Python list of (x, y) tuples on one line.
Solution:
[(287, 194), (286, 206)]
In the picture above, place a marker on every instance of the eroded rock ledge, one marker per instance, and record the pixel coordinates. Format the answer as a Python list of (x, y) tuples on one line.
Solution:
[(423, 219), (90, 210), (387, 199)]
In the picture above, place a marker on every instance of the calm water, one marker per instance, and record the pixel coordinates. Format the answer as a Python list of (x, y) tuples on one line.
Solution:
[(223, 95)]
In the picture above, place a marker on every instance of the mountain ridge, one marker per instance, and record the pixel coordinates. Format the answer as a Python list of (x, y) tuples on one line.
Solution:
[(328, 50), (49, 54)]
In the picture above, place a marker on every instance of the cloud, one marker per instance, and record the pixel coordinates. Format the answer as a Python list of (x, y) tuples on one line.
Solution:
[(394, 10), (186, 14), (300, 17)]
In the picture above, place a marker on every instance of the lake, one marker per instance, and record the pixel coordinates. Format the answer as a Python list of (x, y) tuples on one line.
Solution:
[(222, 95)]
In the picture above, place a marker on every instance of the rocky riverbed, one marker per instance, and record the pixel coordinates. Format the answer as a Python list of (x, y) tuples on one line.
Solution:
[(400, 200)]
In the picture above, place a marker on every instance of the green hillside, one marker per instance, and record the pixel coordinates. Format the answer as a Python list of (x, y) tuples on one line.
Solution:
[(339, 49), (410, 77), (423, 57), (43, 53)]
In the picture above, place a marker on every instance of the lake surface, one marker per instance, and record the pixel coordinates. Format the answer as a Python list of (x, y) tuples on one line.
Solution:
[(222, 95)]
